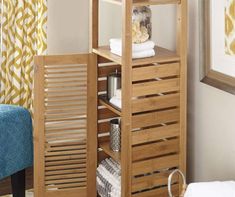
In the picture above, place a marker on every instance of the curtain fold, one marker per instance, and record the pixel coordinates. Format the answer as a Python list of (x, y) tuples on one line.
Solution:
[(23, 35)]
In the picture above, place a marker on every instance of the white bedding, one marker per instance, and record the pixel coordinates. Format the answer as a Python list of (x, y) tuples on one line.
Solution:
[(211, 189)]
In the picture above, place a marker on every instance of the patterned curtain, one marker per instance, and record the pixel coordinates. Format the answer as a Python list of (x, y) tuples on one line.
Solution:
[(22, 36)]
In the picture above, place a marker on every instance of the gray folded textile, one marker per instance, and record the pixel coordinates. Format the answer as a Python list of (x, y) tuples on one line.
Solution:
[(109, 178)]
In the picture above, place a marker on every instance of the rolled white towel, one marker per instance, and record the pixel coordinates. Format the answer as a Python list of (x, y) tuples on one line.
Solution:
[(116, 43), (136, 55), (211, 189), (116, 102)]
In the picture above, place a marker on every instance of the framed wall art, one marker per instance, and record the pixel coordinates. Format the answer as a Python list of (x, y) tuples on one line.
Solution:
[(217, 43)]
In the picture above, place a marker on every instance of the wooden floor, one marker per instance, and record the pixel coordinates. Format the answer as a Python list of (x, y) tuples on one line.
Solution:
[(5, 184)]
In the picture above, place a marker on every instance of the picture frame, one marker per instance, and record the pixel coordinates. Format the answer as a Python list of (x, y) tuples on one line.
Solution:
[(217, 68)]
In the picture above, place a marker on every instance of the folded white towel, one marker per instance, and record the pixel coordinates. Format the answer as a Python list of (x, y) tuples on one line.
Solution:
[(116, 43), (212, 189), (136, 55), (116, 102)]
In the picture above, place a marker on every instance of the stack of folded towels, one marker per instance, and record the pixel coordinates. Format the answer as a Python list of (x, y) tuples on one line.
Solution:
[(116, 100), (142, 50), (109, 178)]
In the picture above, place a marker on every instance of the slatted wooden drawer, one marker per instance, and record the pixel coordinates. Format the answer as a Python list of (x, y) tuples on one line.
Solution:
[(155, 127)]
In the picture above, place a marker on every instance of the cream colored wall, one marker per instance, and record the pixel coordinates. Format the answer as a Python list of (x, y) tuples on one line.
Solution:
[(211, 148), (67, 26), (211, 119)]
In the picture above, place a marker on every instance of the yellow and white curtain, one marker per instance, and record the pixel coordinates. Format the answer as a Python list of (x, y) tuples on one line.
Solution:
[(22, 36), (230, 27)]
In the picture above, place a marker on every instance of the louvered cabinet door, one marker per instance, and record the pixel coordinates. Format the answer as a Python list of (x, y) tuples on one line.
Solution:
[(64, 159)]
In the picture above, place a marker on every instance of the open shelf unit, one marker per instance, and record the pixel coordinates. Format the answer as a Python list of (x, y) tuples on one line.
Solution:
[(153, 114)]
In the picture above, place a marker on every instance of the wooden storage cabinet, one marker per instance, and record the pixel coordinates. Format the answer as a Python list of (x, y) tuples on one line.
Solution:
[(153, 113), (72, 115)]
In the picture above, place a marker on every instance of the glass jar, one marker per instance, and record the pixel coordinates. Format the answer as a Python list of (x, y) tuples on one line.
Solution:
[(141, 24)]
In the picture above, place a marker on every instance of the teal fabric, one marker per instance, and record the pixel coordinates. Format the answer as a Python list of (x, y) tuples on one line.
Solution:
[(16, 141)]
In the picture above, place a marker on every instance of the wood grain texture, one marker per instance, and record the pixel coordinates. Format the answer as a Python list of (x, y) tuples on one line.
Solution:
[(155, 149), (126, 61), (152, 165), (182, 51), (155, 71), (154, 134), (156, 87), (155, 103), (151, 181), (92, 118), (155, 118), (162, 56), (39, 128), (65, 161)]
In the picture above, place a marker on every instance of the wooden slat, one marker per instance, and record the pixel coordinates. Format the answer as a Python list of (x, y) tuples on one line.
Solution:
[(65, 181), (54, 158), (65, 80), (106, 114), (181, 43), (106, 148), (64, 167), (151, 181), (154, 134), (154, 103), (163, 192), (104, 71), (66, 59), (65, 152), (102, 85), (155, 71), (39, 127), (104, 127), (126, 85), (162, 56), (152, 165), (65, 171), (57, 101), (67, 185), (67, 192), (155, 118), (65, 162), (92, 119), (66, 176), (155, 87), (155, 149)]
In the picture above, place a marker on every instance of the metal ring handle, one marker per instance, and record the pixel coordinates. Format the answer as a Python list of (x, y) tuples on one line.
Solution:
[(170, 179)]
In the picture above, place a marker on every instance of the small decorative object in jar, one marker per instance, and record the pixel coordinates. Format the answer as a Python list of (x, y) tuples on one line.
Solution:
[(141, 24)]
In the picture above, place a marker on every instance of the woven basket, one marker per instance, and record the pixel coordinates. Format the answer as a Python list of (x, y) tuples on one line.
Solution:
[(184, 187)]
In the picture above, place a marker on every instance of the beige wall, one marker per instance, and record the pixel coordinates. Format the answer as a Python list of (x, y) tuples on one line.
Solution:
[(211, 119), (211, 148)]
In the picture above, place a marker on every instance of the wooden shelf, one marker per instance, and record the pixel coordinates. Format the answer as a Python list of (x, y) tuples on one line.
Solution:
[(145, 2), (106, 148), (104, 101), (162, 56)]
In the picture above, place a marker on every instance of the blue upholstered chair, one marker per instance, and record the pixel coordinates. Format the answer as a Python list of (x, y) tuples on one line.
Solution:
[(16, 146)]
